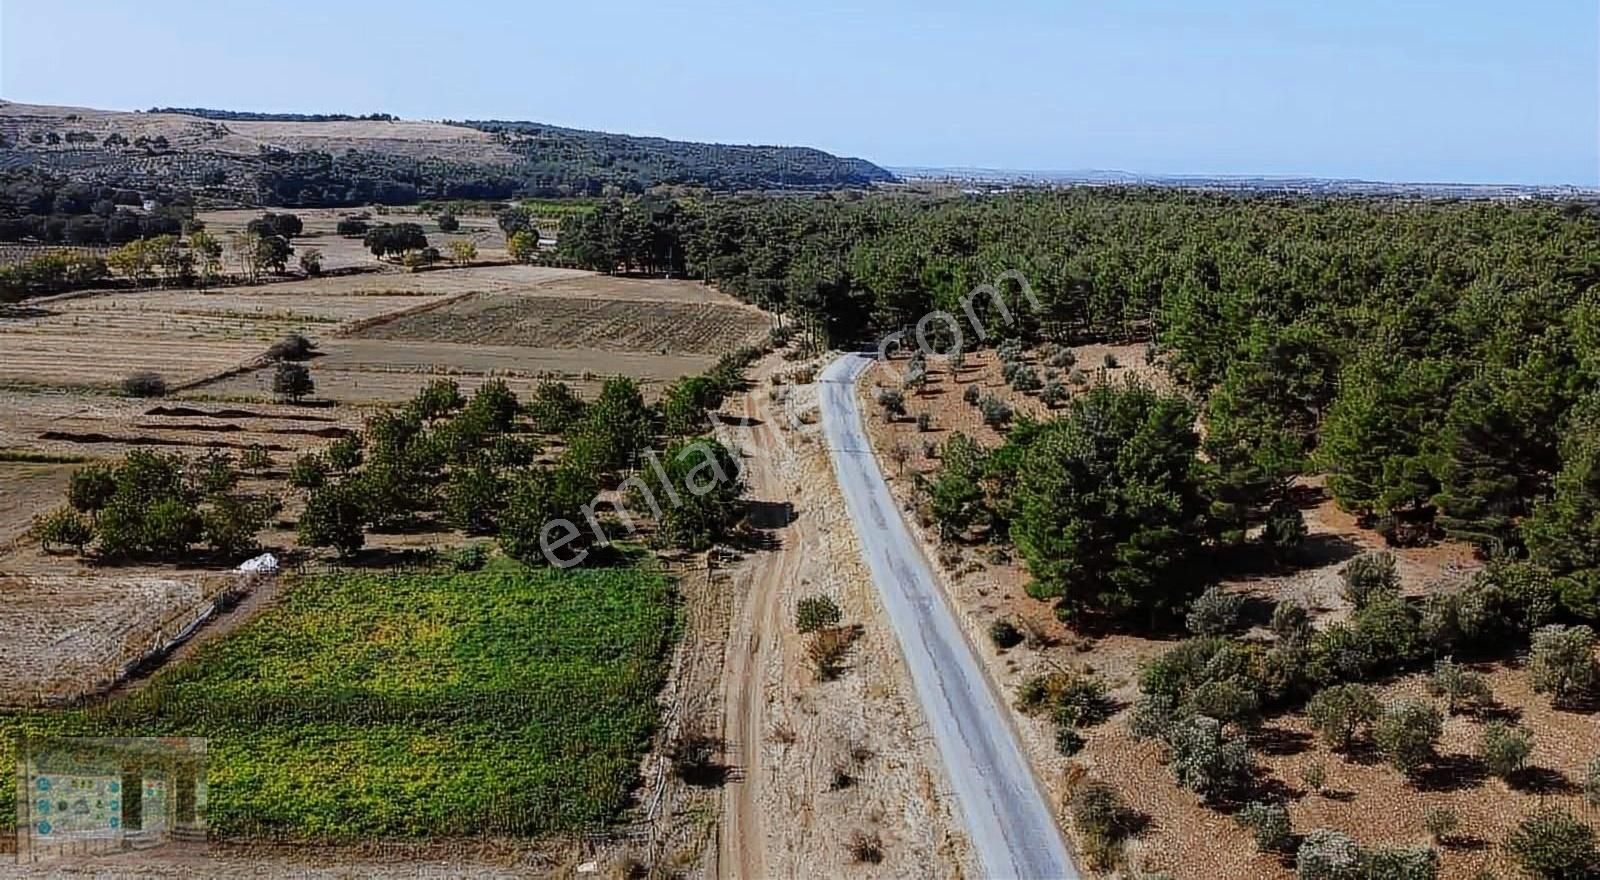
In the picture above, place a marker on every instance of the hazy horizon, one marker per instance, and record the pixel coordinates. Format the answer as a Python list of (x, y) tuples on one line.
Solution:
[(1428, 92)]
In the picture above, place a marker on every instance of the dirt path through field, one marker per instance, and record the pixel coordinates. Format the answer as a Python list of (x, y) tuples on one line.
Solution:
[(817, 765)]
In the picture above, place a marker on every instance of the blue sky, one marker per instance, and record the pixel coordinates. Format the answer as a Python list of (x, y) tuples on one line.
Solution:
[(1429, 90)]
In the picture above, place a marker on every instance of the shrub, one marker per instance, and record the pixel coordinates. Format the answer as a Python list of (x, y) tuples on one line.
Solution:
[(1062, 358), (1111, 361), (1315, 776), (144, 385), (352, 227), (866, 848), (1228, 701), (1289, 619), (1554, 845), (1562, 662), (1207, 760), (64, 527), (292, 381), (448, 223), (1073, 700), (1078, 377), (311, 262), (1400, 863), (1591, 783), (893, 402), (1407, 734), (1285, 529), (1026, 379), (813, 613), (1069, 741), (1102, 820), (293, 347), (1270, 825), (1338, 712), (1005, 634), (826, 649), (92, 488), (996, 412), (1505, 748), (1458, 685), (1368, 575), (1327, 855), (1053, 394), (1215, 612), (971, 394), (1441, 822)]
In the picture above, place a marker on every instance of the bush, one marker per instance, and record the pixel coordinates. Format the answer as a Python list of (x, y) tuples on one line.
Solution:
[(334, 517), (1053, 394), (448, 223), (1073, 700), (1338, 712), (1368, 575), (1111, 361), (1327, 855), (1289, 620), (1441, 822), (1554, 845), (1005, 634), (293, 347), (1400, 863), (1285, 530), (1069, 741), (1270, 825), (64, 527), (1102, 820), (814, 613), (1505, 748), (1591, 783), (1407, 734), (311, 262), (1562, 663), (1458, 685), (1215, 612), (352, 227), (1207, 760), (826, 651), (292, 381), (92, 488), (866, 848), (971, 394), (1315, 776), (996, 412), (893, 402), (144, 385)]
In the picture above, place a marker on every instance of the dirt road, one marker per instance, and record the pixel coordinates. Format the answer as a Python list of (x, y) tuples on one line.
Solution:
[(1007, 816)]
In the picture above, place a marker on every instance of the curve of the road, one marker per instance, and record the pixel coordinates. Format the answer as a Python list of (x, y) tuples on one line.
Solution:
[(1005, 811)]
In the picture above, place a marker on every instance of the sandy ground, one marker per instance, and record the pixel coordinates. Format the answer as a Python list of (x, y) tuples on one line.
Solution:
[(786, 733)]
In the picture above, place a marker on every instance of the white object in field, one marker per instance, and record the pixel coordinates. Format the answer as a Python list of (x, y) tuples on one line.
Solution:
[(589, 868), (266, 563)]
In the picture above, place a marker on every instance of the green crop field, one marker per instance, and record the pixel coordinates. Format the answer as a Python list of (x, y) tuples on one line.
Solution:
[(411, 706)]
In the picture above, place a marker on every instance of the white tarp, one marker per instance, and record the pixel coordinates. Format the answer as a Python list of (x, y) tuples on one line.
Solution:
[(266, 563)]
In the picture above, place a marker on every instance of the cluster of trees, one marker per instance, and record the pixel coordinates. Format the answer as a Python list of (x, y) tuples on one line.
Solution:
[(1438, 361), (396, 239), (478, 463), (37, 206), (158, 506), (247, 116)]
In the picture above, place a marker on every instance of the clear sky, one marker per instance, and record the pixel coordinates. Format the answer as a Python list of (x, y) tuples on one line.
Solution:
[(1417, 90)]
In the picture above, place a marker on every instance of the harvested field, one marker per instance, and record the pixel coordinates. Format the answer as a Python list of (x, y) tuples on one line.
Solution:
[(574, 323), (68, 424), (64, 637), (28, 490)]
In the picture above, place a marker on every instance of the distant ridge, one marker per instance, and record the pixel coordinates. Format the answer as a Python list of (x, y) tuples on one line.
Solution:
[(993, 177), (337, 160)]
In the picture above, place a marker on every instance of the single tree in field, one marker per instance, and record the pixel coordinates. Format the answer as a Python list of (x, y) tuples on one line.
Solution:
[(462, 252), (515, 220), (311, 262), (522, 245), (448, 222), (292, 381)]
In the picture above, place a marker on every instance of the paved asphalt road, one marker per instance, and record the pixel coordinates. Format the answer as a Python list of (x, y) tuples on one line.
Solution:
[(1007, 815)]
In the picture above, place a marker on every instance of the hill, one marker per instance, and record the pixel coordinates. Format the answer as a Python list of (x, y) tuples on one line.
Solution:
[(297, 160)]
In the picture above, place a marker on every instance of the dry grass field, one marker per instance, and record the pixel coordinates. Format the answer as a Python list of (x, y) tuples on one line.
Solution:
[(66, 636)]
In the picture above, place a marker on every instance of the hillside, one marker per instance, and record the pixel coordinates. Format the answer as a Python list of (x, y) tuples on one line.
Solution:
[(306, 161)]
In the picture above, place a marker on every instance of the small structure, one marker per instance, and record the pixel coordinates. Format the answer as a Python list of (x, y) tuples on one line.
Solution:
[(92, 796)]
